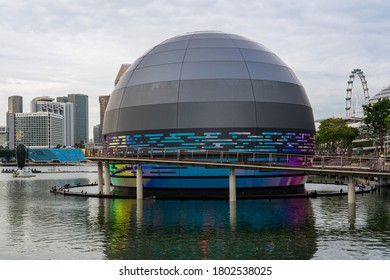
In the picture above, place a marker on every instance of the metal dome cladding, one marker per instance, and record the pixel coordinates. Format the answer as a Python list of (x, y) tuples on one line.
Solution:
[(210, 90)]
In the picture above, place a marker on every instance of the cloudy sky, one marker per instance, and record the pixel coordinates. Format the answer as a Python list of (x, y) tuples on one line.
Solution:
[(77, 46)]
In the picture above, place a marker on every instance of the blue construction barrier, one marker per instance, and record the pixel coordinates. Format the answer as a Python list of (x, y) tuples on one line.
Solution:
[(62, 155)]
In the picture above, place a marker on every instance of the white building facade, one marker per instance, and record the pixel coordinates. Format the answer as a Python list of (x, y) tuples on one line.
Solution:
[(65, 109), (41, 129)]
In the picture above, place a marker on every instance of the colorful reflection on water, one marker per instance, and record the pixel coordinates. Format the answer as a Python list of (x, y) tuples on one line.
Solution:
[(35, 224)]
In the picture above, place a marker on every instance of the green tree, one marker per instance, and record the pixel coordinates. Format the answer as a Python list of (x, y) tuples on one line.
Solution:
[(7, 154), (377, 120), (334, 135)]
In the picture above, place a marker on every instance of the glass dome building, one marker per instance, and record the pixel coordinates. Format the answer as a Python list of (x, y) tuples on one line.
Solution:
[(209, 91), (385, 93)]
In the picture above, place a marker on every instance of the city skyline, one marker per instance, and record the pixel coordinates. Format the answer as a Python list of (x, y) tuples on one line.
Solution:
[(63, 48)]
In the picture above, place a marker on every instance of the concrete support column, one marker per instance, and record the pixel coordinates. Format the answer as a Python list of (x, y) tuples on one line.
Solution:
[(139, 214), (140, 194), (233, 215), (100, 177), (351, 190), (232, 185), (107, 179)]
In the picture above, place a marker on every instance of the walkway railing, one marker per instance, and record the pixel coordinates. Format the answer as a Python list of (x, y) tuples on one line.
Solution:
[(336, 162)]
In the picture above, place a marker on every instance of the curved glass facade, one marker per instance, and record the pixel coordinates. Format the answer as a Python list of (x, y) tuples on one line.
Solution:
[(210, 90)]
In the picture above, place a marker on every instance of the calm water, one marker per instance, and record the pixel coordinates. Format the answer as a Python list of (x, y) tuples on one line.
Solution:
[(35, 224)]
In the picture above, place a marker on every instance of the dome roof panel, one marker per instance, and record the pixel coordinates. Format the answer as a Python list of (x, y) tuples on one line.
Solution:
[(252, 55), (270, 72), (245, 44), (124, 79), (211, 43), (208, 80), (209, 35), (214, 70), (155, 74), (213, 54), (170, 46), (385, 93), (160, 58)]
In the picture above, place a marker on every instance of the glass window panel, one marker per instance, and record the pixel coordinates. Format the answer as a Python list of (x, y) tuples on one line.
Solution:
[(213, 54), (250, 45), (272, 72), (115, 99), (215, 90), (211, 43), (124, 79), (202, 35), (176, 45), (161, 116), (160, 73), (279, 92), (155, 93), (216, 114), (251, 55), (214, 70), (162, 58)]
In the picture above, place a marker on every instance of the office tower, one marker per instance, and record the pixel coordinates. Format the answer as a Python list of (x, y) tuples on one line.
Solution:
[(62, 99), (81, 117), (103, 101), (42, 129), (97, 134), (15, 104), (47, 104)]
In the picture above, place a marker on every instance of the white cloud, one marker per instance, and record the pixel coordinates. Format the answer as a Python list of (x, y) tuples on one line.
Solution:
[(58, 47)]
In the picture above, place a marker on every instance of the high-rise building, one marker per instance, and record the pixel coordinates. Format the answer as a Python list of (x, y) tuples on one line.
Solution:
[(41, 129), (103, 101), (15, 104), (62, 99), (81, 117), (47, 104), (97, 132)]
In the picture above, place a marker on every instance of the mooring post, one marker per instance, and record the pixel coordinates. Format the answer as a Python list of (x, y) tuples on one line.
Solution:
[(351, 190), (232, 185), (107, 179), (100, 177), (139, 194)]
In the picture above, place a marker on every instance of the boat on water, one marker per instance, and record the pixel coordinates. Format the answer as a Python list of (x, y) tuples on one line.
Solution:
[(23, 173)]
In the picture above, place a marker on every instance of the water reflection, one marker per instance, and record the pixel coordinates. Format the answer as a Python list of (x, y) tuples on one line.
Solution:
[(278, 229), (352, 215), (35, 224), (233, 215)]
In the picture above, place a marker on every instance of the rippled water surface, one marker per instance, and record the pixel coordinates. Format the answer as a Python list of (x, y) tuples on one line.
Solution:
[(35, 224)]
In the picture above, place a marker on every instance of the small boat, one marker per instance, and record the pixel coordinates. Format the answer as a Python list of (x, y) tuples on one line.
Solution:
[(23, 173)]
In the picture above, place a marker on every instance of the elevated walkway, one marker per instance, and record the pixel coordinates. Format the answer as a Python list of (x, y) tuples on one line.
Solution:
[(306, 164), (349, 168)]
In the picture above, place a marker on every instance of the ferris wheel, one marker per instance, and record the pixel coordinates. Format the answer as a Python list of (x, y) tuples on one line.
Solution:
[(352, 112)]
